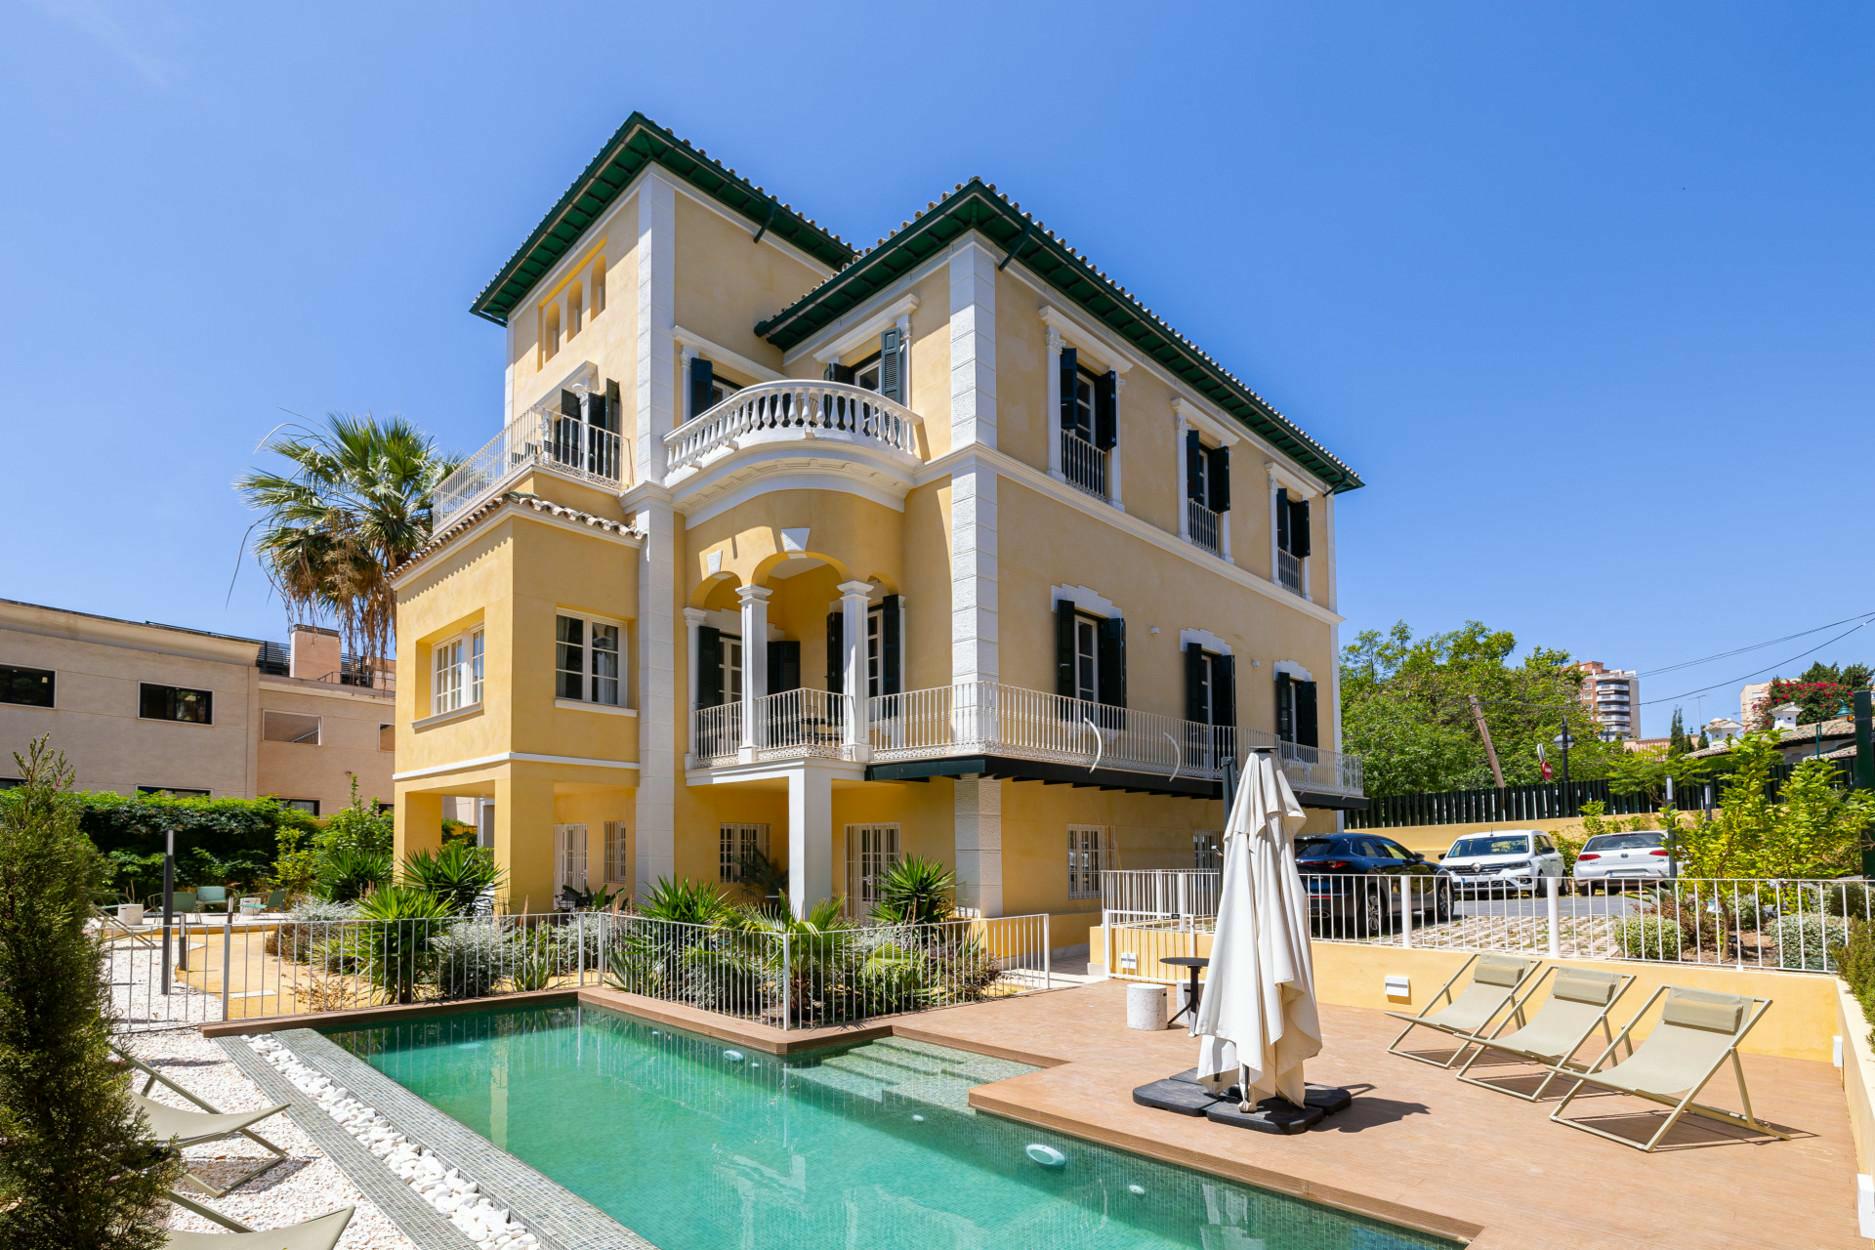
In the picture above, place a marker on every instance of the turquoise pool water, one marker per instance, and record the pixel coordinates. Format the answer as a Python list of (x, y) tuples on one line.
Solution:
[(698, 1146)]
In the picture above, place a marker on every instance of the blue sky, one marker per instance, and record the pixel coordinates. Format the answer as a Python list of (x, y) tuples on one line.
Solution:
[(1585, 292)]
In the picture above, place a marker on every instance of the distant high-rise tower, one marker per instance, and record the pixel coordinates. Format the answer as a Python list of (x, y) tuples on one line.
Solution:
[(1613, 698)]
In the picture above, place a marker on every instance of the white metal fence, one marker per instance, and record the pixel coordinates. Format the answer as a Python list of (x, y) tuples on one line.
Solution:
[(228, 968), (1084, 464), (1205, 525), (1789, 925), (538, 436)]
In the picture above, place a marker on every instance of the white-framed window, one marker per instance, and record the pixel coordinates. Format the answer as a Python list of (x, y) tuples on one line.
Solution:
[(586, 659), (871, 850), (1086, 858), (1204, 698), (617, 852), (294, 727), (732, 668), (875, 652), (1207, 850), (735, 843), (570, 844), (456, 672), (1086, 657)]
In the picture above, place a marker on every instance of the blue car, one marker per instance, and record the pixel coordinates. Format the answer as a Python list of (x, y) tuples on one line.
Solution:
[(1356, 882)]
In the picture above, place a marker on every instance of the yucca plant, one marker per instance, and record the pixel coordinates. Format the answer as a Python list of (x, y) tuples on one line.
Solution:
[(398, 947), (686, 902), (347, 874), (456, 875), (915, 891)]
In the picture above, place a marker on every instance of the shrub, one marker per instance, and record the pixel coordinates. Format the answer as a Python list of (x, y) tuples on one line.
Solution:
[(398, 950), (1805, 941), (915, 891), (564, 942), (357, 826), (456, 876), (531, 963), (471, 957), (347, 874), (310, 923), (633, 962), (1649, 937), (218, 841), (686, 901), (74, 1168), (1855, 963)]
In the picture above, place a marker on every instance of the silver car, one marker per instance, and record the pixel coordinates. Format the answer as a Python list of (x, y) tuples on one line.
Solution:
[(1610, 858), (1505, 861)]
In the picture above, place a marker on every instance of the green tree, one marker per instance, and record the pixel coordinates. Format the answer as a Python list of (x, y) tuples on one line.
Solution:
[(1677, 741), (1405, 707), (1813, 828), (354, 503), (74, 1169)]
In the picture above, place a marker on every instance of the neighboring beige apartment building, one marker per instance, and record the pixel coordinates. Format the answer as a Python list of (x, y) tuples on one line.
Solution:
[(1613, 696), (141, 707)]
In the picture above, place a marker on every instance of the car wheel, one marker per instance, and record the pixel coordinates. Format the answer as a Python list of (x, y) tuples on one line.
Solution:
[(1442, 906)]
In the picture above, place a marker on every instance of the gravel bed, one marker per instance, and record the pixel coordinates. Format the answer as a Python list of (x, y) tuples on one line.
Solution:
[(304, 1185)]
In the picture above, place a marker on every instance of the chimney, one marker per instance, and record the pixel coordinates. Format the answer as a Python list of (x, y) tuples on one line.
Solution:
[(313, 653), (1784, 716)]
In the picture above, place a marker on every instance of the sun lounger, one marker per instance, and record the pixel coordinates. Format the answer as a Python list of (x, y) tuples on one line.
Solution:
[(1697, 1033), (178, 1127), (322, 1233), (1495, 980), (1579, 1002)]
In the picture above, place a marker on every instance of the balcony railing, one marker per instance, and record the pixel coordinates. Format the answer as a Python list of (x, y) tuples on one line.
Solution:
[(993, 718), (1083, 464), (1289, 571), (791, 724), (1204, 525), (1320, 770), (536, 437), (778, 411)]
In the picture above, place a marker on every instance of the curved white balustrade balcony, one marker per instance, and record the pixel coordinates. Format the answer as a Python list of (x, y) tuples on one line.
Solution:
[(793, 424)]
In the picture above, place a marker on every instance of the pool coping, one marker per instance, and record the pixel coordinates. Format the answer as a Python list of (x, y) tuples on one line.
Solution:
[(771, 1040), (559, 1218)]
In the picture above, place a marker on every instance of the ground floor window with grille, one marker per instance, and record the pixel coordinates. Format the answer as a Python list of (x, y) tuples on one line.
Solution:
[(737, 843), (570, 842), (1207, 851), (1086, 858), (617, 853), (871, 851)]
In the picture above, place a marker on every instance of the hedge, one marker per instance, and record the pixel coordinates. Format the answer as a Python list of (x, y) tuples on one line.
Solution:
[(218, 841)]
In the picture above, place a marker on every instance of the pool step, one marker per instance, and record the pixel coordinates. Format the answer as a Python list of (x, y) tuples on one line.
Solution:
[(910, 1074), (978, 1069)]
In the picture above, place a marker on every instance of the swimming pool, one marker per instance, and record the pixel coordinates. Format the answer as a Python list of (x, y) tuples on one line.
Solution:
[(695, 1144)]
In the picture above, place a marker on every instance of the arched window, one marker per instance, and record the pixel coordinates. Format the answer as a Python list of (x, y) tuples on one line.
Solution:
[(550, 333), (598, 286), (575, 309)]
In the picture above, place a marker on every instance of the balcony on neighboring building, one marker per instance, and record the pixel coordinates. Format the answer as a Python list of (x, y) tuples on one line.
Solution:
[(562, 442), (835, 427)]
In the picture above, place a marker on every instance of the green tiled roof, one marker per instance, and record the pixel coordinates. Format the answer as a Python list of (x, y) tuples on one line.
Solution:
[(636, 144), (976, 205)]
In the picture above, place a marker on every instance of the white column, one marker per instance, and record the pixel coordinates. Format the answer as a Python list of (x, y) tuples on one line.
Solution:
[(855, 599), (1184, 478), (657, 322), (979, 844), (754, 658), (973, 345), (973, 574), (655, 836), (810, 837), (693, 621), (1051, 416), (1115, 456)]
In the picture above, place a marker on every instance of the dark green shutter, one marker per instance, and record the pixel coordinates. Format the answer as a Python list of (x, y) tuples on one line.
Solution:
[(1217, 479), (1194, 683), (1070, 375), (1285, 708), (1224, 690), (891, 643), (1107, 411), (1307, 726), (892, 365), (1064, 649), (837, 373), (1283, 517), (836, 651), (784, 666), (702, 380), (1194, 466), (1112, 642), (709, 662), (1299, 528)]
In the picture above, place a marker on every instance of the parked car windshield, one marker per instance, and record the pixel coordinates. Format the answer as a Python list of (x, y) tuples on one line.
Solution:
[(1491, 844), (1641, 840), (1306, 847)]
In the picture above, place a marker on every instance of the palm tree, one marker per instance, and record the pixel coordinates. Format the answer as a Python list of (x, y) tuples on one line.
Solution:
[(354, 504)]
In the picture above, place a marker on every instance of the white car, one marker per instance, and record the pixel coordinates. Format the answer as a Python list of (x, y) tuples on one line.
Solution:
[(1608, 858), (1503, 861)]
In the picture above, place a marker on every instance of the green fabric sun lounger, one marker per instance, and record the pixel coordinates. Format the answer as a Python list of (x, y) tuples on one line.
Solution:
[(1579, 1003), (1697, 1033), (1495, 980)]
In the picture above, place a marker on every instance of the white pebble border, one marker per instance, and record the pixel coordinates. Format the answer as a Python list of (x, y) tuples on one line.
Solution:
[(453, 1195)]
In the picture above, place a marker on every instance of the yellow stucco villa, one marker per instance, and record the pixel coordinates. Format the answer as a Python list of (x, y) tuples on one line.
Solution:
[(948, 548)]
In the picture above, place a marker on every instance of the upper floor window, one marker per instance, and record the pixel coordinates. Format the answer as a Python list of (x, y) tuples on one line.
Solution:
[(32, 687), (1090, 656), (1090, 428), (575, 309), (704, 387), (586, 659), (1292, 541), (178, 703), (294, 727), (1210, 686), (885, 370), (456, 666), (1207, 494), (1297, 717), (885, 631), (174, 792), (309, 806)]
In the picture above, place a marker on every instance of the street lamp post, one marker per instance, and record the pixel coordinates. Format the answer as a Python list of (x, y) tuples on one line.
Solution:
[(1564, 740)]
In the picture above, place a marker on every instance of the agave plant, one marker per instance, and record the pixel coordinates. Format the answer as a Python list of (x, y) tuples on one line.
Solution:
[(347, 874), (915, 891), (456, 875), (686, 902)]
